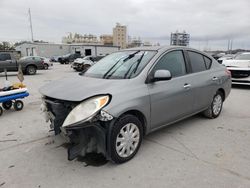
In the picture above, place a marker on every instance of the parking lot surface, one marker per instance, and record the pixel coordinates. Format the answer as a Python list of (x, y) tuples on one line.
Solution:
[(196, 152)]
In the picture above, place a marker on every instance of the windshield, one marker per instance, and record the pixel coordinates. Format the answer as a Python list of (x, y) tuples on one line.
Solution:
[(243, 57), (120, 65)]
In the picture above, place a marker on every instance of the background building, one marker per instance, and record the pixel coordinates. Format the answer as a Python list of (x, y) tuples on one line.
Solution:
[(120, 35), (51, 49), (78, 38), (180, 38), (106, 39), (134, 42)]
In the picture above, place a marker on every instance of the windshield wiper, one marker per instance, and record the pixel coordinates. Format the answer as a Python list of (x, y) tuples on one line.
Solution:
[(136, 67), (107, 75)]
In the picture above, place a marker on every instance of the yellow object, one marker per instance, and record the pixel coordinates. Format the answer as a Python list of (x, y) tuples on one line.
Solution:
[(18, 85)]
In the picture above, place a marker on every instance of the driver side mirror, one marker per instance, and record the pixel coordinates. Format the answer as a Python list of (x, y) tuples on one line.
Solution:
[(161, 75)]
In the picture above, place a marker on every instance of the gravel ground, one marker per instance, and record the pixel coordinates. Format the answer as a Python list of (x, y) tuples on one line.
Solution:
[(196, 152)]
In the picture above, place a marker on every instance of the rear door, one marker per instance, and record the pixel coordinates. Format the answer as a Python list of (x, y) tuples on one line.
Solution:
[(204, 79), (171, 99)]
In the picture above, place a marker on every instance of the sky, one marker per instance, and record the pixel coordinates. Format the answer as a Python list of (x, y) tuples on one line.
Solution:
[(210, 23)]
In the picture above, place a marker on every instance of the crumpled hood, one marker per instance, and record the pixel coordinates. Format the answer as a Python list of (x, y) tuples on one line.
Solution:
[(237, 63), (78, 88)]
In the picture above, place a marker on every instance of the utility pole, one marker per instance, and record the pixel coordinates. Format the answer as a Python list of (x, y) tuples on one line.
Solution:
[(31, 30)]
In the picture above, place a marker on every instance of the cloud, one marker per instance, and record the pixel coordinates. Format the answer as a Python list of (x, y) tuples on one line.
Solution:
[(205, 20)]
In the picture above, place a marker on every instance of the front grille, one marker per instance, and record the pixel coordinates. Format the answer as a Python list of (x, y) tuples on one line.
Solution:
[(239, 73), (60, 109)]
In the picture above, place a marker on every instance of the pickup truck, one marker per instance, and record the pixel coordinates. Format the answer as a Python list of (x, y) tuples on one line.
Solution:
[(29, 64)]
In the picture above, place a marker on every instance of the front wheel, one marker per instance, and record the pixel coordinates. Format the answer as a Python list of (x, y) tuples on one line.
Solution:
[(126, 137), (46, 66), (215, 108)]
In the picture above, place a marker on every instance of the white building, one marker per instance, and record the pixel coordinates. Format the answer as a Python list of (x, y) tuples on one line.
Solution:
[(51, 49)]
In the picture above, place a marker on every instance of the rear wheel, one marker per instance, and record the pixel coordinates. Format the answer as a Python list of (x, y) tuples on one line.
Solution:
[(18, 105), (126, 137), (215, 108), (31, 70), (7, 105)]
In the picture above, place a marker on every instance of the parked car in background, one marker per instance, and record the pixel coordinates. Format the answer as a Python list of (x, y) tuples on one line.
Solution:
[(47, 63), (29, 64), (54, 58), (225, 57), (131, 93), (82, 64), (66, 59), (239, 68)]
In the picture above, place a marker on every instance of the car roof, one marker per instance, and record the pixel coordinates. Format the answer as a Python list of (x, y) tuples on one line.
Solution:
[(156, 48)]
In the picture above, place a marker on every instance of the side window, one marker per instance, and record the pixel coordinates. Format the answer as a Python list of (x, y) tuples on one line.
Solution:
[(172, 61), (5, 57), (208, 62), (197, 61)]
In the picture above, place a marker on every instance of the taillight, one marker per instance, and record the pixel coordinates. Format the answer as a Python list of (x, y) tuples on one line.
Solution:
[(228, 72)]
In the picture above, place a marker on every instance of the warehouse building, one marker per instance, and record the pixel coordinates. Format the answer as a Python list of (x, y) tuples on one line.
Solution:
[(51, 49)]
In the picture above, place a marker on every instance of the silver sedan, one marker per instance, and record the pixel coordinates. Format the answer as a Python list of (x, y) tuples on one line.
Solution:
[(130, 93)]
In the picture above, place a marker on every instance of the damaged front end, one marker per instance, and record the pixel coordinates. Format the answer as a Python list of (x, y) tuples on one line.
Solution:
[(84, 125)]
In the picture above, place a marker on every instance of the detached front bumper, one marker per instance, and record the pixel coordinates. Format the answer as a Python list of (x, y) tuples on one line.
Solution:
[(85, 137)]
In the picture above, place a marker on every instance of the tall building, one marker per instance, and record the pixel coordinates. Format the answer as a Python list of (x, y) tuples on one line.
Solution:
[(180, 38), (106, 39), (120, 35)]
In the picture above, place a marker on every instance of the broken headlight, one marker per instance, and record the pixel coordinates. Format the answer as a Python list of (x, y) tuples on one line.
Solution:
[(86, 110)]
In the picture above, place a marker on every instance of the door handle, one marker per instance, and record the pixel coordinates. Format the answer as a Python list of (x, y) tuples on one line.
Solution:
[(215, 78), (187, 86)]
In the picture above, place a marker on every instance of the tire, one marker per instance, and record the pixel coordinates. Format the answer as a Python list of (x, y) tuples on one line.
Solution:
[(1, 111), (46, 66), (18, 105), (86, 67), (122, 149), (7, 105), (31, 70), (217, 102)]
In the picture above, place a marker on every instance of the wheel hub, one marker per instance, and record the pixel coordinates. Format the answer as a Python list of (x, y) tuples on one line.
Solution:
[(127, 140)]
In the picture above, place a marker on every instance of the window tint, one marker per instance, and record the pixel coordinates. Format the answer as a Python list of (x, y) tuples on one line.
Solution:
[(4, 57), (208, 62), (197, 61), (172, 61)]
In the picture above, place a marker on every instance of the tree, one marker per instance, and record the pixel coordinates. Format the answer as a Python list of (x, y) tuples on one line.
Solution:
[(6, 46)]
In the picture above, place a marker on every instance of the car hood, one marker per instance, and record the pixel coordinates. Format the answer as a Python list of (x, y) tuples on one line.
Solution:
[(79, 88), (82, 61), (237, 63)]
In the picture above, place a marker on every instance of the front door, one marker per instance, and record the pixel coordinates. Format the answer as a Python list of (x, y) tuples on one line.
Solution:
[(171, 99)]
